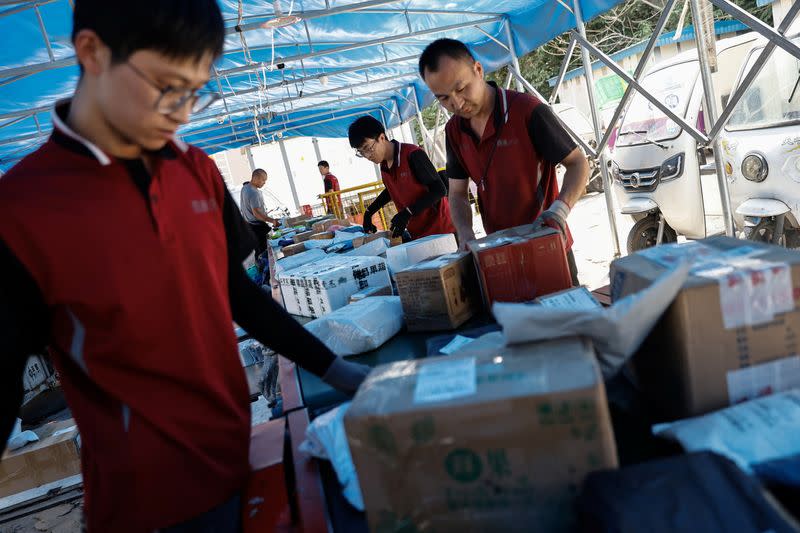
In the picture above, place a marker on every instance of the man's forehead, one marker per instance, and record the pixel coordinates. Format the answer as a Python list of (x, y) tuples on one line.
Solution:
[(195, 70)]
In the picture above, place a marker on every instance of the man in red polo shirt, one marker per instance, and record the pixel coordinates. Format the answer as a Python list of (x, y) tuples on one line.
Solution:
[(137, 314), (331, 184), (411, 182), (508, 142)]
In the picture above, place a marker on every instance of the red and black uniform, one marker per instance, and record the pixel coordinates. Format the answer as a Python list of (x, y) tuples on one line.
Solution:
[(412, 183), (132, 276), (332, 184), (514, 163)]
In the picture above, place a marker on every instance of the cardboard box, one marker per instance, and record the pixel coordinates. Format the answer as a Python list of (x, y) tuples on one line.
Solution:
[(439, 293), (55, 456), (403, 256), (316, 289), (324, 225), (361, 241), (302, 237), (322, 236), (518, 264), (386, 290), (293, 249), (296, 221), (265, 505), (737, 311), (498, 440)]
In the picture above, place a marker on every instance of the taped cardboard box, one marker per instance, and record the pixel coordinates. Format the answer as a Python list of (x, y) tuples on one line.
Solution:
[(55, 456), (440, 293), (316, 289), (730, 330), (492, 440), (295, 221), (519, 264), (324, 235), (410, 253)]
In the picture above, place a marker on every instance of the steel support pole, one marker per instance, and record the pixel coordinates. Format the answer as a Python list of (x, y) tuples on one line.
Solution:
[(711, 117), (512, 50), (317, 152), (250, 160), (289, 174), (601, 158), (420, 122), (752, 73)]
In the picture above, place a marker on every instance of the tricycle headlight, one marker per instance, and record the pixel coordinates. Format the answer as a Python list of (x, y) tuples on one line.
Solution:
[(615, 173), (672, 168), (754, 167)]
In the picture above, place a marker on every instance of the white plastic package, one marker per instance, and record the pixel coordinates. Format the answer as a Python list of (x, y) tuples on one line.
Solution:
[(748, 433), (404, 255), (361, 326), (326, 439), (20, 438)]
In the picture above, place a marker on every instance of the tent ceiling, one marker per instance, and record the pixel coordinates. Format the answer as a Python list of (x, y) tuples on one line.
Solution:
[(338, 59)]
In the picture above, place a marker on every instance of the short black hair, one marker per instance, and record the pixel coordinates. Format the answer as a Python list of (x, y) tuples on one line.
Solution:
[(176, 28), (429, 60), (258, 172), (323, 163), (366, 127)]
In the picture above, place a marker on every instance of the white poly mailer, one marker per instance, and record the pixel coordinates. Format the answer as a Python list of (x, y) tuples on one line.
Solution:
[(361, 326), (404, 255)]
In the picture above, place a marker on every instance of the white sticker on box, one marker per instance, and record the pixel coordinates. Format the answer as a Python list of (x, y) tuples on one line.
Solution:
[(761, 380), (458, 342), (752, 291), (579, 299), (445, 380)]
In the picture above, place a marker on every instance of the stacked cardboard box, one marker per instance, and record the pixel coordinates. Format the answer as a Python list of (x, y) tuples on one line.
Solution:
[(495, 440), (302, 237), (519, 264), (439, 293), (730, 335)]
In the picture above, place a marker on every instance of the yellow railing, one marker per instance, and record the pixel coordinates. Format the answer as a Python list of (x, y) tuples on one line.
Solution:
[(351, 203)]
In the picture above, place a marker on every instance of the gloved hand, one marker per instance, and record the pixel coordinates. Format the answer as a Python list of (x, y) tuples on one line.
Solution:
[(555, 217), (399, 223), (368, 226), (345, 375)]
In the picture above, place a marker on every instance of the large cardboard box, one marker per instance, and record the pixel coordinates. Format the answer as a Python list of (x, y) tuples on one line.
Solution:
[(296, 221), (519, 264), (494, 440), (727, 333), (316, 289), (386, 290), (403, 256), (265, 506), (324, 235), (55, 456), (439, 293)]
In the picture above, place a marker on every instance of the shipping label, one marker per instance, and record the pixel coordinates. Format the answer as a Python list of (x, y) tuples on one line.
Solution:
[(761, 380), (445, 380)]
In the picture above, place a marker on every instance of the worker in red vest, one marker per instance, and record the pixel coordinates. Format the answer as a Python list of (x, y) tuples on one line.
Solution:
[(331, 184), (411, 182), (508, 142), (138, 314)]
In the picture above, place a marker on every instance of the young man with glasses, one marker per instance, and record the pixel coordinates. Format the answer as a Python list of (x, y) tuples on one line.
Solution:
[(508, 142), (137, 314), (411, 182)]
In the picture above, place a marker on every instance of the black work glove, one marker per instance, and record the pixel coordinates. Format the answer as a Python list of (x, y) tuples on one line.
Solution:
[(368, 226), (399, 223)]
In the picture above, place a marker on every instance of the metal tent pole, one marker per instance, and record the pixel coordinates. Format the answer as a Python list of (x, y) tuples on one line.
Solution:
[(601, 158), (711, 114), (288, 168), (512, 50), (315, 142)]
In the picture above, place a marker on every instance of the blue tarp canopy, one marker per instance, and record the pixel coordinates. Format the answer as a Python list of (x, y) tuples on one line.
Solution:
[(296, 68)]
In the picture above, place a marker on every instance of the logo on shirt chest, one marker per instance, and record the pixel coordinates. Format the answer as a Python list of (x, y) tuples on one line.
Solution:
[(204, 206), (505, 143)]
